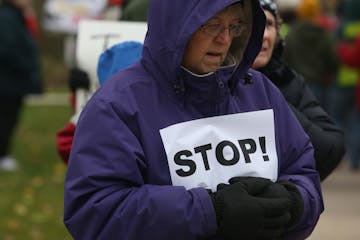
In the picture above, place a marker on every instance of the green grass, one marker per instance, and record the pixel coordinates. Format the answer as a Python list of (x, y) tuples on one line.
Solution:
[(31, 199)]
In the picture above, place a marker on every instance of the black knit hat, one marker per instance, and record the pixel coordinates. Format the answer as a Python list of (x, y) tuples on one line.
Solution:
[(269, 5)]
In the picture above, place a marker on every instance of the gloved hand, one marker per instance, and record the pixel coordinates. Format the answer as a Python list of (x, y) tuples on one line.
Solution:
[(281, 189), (64, 138), (78, 79), (296, 200), (242, 215)]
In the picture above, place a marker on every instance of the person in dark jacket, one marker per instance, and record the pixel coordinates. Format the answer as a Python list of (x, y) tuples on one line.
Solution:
[(310, 49), (189, 142), (20, 71), (327, 138)]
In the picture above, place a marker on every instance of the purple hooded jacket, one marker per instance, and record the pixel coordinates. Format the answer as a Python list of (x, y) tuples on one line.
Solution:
[(118, 183)]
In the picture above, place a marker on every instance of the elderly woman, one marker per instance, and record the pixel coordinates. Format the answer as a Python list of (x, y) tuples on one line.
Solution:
[(189, 142), (327, 138)]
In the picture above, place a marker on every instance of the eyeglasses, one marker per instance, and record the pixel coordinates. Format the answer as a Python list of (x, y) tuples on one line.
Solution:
[(214, 29)]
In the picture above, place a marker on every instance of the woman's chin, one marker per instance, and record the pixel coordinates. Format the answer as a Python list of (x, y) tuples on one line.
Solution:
[(260, 61)]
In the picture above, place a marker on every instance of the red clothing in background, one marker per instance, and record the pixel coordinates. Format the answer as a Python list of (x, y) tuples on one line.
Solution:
[(349, 54), (32, 25)]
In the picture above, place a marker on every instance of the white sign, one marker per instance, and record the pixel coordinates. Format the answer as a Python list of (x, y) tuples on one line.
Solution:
[(94, 37), (209, 151)]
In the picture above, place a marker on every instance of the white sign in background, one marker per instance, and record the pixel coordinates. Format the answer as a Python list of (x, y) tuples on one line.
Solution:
[(94, 37), (65, 15), (209, 151)]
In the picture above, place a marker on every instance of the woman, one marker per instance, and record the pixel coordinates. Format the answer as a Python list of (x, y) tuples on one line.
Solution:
[(189, 143), (326, 137)]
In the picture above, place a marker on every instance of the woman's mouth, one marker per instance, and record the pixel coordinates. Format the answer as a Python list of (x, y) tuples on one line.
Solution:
[(213, 54)]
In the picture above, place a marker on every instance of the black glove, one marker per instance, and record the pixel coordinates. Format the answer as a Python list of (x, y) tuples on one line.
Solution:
[(240, 215), (281, 189), (296, 200), (78, 79)]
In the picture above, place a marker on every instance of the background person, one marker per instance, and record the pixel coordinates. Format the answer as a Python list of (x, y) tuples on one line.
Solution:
[(20, 70), (114, 59), (345, 92), (183, 144), (310, 50), (327, 138)]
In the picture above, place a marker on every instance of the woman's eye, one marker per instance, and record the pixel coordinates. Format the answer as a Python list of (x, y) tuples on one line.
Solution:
[(270, 24), (214, 25)]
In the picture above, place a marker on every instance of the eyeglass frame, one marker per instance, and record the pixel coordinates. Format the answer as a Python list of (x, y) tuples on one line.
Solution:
[(221, 28)]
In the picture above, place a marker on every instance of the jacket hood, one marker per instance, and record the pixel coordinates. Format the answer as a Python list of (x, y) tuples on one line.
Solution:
[(172, 23)]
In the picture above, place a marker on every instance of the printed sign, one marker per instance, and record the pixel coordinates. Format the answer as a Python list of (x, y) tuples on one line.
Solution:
[(94, 37), (209, 151)]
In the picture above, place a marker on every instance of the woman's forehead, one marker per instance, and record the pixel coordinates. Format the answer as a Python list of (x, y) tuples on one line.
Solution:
[(234, 8), (237, 10)]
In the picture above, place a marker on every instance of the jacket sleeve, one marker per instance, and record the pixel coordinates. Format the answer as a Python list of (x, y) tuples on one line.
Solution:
[(297, 165), (106, 192), (327, 138)]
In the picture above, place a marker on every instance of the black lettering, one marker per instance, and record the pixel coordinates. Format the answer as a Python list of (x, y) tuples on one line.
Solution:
[(106, 37), (263, 148), (202, 149), (247, 151), (184, 162), (220, 153)]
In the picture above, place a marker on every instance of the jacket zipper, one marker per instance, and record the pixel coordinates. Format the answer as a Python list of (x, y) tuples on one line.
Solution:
[(218, 93)]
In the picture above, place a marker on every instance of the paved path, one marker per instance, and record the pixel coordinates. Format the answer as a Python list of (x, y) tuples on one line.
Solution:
[(341, 218), (53, 99)]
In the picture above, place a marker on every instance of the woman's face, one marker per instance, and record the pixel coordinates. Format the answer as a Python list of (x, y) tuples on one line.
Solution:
[(205, 52), (269, 40)]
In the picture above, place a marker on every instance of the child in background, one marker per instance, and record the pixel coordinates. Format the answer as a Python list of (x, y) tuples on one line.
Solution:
[(111, 61)]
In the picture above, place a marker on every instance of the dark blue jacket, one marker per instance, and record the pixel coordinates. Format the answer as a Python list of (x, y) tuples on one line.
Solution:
[(20, 71), (119, 183)]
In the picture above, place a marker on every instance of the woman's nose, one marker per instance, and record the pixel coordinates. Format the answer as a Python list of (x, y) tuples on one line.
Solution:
[(224, 36)]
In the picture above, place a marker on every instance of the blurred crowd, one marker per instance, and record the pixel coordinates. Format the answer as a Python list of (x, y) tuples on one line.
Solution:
[(322, 43)]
